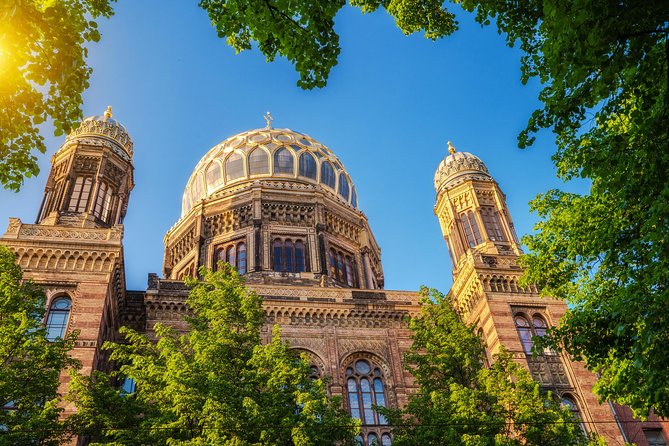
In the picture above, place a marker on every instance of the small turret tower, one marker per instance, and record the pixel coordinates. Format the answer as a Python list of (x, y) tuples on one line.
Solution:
[(91, 176)]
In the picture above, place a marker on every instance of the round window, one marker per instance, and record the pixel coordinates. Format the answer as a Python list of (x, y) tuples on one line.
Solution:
[(362, 367)]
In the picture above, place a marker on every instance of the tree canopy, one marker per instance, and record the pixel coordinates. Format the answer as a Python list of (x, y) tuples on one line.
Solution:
[(30, 366), (43, 73), (461, 402), (214, 384)]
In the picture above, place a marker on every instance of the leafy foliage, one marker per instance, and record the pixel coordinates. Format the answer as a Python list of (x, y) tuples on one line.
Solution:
[(215, 384), (461, 402), (30, 366), (303, 31), (43, 74)]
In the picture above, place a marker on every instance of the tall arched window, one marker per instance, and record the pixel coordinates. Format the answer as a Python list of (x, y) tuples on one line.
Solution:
[(471, 228), (354, 198), (307, 166), (213, 174), (333, 263), (283, 161), (57, 318), (364, 383), (327, 174), (524, 332), (258, 162), (81, 192), (234, 167), (341, 272), (241, 258)]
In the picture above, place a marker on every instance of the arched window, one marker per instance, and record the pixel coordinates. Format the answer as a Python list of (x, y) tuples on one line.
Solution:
[(258, 162), (288, 253), (233, 253), (492, 224), (277, 248), (288, 256), (333, 264), (307, 166), (81, 192), (241, 258), (349, 271), (354, 198), (299, 257), (341, 272), (343, 186), (283, 161), (569, 402), (230, 256), (57, 318), (234, 167), (471, 228), (213, 174), (525, 333), (103, 203), (386, 440), (365, 388), (327, 174), (540, 325)]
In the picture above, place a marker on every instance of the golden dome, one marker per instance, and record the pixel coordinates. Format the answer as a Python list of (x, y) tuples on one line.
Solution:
[(280, 154), (458, 167), (105, 127)]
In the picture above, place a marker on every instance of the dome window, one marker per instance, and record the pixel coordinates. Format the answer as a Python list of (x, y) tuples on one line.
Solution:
[(283, 162), (327, 174), (258, 162), (343, 187), (234, 167), (307, 166), (213, 173)]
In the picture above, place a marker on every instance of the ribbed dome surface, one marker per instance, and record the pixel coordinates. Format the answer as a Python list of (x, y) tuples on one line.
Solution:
[(458, 167), (106, 127), (268, 153)]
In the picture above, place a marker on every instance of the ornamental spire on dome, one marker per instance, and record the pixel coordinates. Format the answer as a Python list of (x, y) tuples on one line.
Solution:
[(451, 149), (268, 119), (108, 112)]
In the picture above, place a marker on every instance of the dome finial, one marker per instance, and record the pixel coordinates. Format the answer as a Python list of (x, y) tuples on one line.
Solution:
[(451, 149), (269, 120), (108, 112)]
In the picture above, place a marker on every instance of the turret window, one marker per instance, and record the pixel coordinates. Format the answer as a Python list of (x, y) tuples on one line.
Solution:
[(471, 228), (80, 194), (57, 318), (307, 166), (283, 161), (288, 256), (234, 254), (103, 204), (492, 224)]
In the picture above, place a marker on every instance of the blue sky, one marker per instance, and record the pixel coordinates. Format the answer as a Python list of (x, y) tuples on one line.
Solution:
[(390, 106)]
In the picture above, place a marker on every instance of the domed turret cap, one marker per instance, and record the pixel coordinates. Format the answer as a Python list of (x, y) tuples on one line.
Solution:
[(106, 127), (458, 167)]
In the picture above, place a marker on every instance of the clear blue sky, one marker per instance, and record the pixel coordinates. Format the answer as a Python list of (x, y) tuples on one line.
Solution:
[(389, 108)]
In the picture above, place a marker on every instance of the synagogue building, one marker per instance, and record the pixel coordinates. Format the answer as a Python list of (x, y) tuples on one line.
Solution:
[(281, 207)]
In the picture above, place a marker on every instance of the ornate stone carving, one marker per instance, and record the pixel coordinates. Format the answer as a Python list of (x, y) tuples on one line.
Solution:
[(293, 214), (87, 164)]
